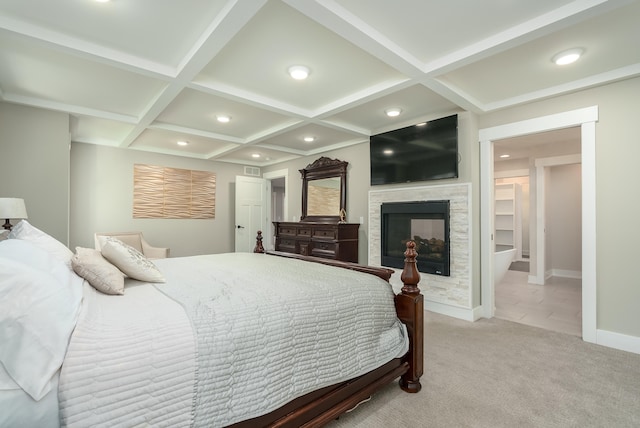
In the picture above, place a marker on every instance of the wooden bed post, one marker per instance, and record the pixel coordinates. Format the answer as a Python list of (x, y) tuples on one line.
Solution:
[(258, 248), (410, 308)]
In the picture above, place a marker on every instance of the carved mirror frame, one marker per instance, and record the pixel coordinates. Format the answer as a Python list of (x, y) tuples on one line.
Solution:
[(321, 169)]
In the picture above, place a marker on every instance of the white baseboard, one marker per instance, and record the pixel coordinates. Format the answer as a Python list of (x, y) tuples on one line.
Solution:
[(609, 339), (459, 312), (563, 273), (618, 341)]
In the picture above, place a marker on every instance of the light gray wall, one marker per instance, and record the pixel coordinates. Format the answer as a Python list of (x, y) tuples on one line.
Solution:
[(618, 204), (102, 201), (34, 165), (564, 218)]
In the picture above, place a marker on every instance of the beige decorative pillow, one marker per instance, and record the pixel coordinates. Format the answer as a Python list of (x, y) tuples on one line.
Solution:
[(102, 275), (130, 261)]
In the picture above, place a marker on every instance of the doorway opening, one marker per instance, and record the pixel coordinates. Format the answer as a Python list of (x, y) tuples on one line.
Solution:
[(277, 191), (540, 285), (585, 119)]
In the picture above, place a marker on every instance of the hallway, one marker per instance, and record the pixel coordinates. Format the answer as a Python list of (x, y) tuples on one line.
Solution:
[(556, 306)]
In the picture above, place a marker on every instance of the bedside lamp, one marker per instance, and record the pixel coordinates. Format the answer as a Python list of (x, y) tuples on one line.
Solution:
[(12, 208)]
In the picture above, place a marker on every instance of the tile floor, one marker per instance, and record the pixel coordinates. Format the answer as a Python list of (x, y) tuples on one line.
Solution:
[(556, 306)]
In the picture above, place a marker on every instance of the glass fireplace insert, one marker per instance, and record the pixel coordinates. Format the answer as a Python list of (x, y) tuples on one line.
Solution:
[(425, 222)]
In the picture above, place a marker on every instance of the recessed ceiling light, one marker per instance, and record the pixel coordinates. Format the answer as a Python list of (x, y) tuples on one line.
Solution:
[(567, 57), (183, 143), (393, 112), (309, 139), (504, 156), (299, 72), (102, 1), (223, 118), (421, 124), (255, 155), (387, 152)]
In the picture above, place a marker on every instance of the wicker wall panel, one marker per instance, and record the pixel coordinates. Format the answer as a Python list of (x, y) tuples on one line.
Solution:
[(161, 192)]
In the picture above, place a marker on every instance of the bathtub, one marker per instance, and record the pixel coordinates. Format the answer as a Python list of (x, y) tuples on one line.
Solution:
[(501, 262)]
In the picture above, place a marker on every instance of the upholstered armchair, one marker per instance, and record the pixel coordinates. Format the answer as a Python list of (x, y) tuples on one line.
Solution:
[(137, 241)]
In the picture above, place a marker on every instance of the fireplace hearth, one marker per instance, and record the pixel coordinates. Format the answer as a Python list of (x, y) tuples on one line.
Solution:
[(425, 222)]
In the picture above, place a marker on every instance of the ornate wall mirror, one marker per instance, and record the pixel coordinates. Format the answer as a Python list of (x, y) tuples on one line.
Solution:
[(324, 190)]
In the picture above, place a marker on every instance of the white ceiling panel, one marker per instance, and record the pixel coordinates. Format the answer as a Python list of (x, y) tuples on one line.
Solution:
[(614, 36), (417, 103), (245, 156), (144, 74), (199, 111), (324, 138), (278, 37), (159, 31), (30, 70), (430, 30), (93, 130), (164, 141)]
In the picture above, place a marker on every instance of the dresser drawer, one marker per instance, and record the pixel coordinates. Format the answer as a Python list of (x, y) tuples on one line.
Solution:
[(304, 231), (287, 245), (324, 249), (327, 240), (287, 230), (325, 233)]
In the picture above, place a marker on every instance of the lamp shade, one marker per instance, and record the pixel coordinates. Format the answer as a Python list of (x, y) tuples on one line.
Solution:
[(12, 208)]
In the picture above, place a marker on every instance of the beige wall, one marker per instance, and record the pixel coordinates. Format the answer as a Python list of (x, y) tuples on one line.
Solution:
[(34, 165), (102, 201)]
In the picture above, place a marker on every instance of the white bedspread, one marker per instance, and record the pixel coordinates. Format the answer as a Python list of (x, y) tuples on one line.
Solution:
[(227, 338)]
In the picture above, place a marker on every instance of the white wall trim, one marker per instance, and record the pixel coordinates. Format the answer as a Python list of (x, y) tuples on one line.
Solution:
[(558, 160), (466, 314), (618, 341), (565, 273), (585, 118), (533, 126), (512, 173)]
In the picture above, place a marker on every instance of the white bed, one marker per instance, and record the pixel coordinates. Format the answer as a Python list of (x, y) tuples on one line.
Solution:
[(224, 339)]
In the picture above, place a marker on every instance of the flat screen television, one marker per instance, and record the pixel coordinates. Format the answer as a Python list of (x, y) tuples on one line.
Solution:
[(422, 152)]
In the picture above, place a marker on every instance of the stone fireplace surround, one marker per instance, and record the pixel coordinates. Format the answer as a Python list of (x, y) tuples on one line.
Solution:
[(448, 295)]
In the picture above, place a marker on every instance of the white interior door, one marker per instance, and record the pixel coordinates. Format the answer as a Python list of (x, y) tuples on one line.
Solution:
[(251, 203)]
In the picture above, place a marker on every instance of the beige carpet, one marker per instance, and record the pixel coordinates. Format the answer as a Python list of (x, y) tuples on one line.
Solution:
[(496, 373)]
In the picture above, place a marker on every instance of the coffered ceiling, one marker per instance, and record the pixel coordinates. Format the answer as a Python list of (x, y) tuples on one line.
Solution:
[(145, 74)]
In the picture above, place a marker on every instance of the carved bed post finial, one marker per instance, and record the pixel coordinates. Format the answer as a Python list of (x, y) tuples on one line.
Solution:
[(410, 308), (259, 248), (410, 276)]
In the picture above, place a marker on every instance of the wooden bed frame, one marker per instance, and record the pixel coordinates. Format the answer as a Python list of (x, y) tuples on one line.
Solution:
[(320, 407)]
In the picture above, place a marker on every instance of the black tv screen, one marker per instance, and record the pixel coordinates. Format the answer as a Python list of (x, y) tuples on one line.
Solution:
[(422, 152)]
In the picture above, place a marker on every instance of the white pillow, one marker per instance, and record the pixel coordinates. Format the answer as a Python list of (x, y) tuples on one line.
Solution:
[(130, 261), (24, 230), (102, 275), (29, 254), (36, 322)]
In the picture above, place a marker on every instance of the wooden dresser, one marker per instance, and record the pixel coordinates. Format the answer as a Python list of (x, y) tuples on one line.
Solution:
[(328, 240)]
